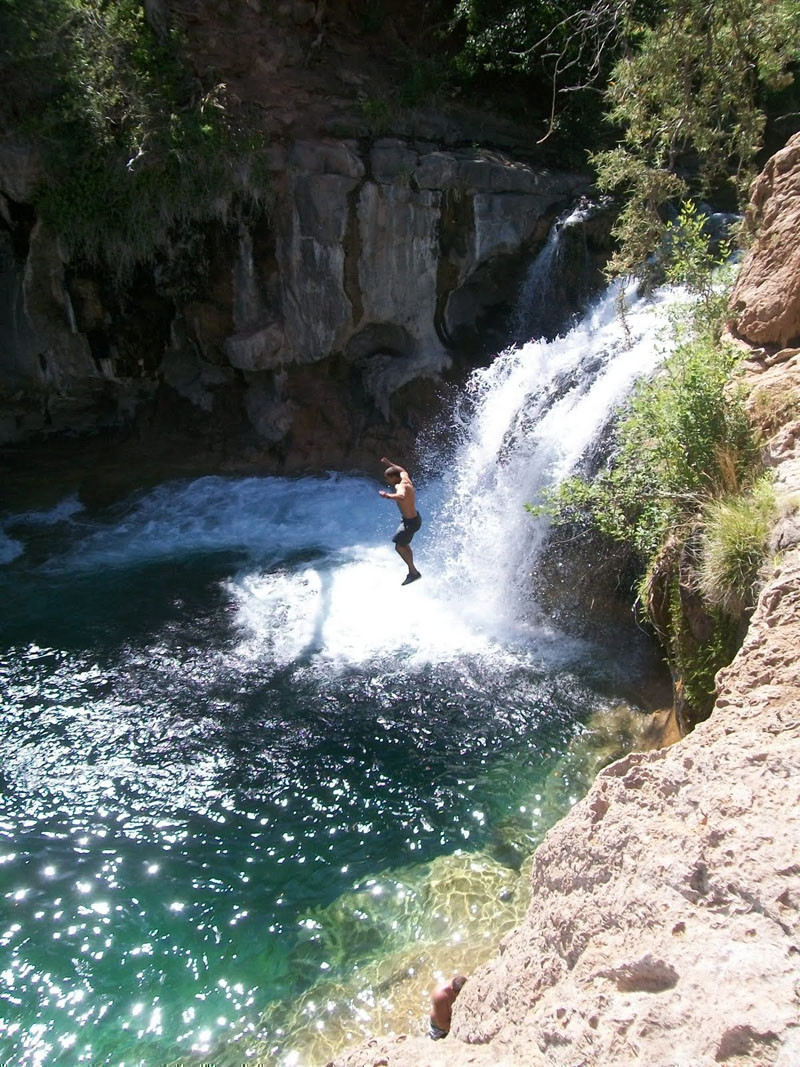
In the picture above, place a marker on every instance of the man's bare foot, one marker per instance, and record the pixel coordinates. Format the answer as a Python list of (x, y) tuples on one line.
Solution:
[(411, 577)]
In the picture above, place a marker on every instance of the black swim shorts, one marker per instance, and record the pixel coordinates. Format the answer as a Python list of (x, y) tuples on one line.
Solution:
[(406, 530), (436, 1033)]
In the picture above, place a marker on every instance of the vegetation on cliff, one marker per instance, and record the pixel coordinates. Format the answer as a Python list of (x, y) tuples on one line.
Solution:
[(686, 89), (684, 487), (141, 140), (134, 147), (693, 114)]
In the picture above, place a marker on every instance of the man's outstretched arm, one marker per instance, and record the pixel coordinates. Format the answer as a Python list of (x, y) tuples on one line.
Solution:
[(391, 463)]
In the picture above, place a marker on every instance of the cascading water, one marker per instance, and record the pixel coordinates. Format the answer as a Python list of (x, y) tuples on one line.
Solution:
[(560, 279), (257, 794), (532, 416)]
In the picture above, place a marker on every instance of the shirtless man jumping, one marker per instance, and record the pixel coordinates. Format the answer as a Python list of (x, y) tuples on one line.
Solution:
[(405, 499)]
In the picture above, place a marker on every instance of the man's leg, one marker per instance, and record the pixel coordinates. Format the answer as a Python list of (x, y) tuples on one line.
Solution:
[(405, 553)]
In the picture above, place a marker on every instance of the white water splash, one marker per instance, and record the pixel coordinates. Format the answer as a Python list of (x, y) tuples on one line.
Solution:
[(64, 511), (533, 413), (559, 280), (9, 548), (528, 420), (318, 579)]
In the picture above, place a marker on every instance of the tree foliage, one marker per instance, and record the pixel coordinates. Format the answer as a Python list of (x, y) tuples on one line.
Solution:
[(687, 88), (689, 98), (682, 439), (565, 48)]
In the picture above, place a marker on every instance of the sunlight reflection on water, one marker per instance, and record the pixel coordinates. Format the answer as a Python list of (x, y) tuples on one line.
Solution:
[(251, 784)]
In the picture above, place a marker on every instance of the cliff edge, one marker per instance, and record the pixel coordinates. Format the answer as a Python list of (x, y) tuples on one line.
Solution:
[(664, 927)]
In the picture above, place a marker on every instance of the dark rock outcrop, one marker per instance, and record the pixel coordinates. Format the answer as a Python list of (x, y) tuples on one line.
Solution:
[(384, 265)]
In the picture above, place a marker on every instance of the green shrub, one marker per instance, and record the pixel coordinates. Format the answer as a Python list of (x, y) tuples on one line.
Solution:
[(687, 255), (378, 112), (682, 489), (683, 438), (696, 662), (425, 84)]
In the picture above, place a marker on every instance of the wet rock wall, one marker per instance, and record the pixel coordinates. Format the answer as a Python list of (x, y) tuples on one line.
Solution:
[(300, 337)]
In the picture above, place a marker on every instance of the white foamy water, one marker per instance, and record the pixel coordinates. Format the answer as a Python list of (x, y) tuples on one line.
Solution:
[(354, 610), (531, 417), (9, 548), (259, 516), (318, 577), (64, 511)]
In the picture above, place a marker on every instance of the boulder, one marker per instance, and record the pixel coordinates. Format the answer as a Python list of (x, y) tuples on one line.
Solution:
[(392, 160), (327, 157), (765, 304)]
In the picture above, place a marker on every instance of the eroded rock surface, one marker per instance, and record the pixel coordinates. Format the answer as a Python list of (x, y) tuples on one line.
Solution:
[(665, 911), (765, 305), (305, 335), (379, 264)]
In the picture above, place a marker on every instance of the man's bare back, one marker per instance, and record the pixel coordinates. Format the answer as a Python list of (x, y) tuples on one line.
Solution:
[(442, 1007)]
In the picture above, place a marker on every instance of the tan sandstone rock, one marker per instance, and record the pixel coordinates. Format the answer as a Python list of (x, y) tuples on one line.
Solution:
[(765, 305)]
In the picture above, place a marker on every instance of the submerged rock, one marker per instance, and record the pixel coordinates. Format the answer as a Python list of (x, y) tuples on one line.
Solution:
[(404, 927)]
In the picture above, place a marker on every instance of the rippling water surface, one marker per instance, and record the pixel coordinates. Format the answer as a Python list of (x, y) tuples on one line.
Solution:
[(256, 795), (223, 715)]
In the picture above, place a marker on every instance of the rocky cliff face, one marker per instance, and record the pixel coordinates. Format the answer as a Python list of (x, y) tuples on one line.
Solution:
[(304, 335), (765, 304), (380, 265), (665, 912)]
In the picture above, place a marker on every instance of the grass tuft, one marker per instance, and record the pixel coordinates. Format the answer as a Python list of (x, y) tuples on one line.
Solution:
[(737, 530)]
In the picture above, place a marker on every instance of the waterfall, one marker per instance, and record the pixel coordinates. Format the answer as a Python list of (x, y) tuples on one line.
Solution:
[(527, 421), (561, 278), (235, 746), (524, 422)]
